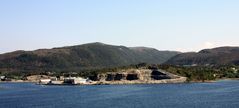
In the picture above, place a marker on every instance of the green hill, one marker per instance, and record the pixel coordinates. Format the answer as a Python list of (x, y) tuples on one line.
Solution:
[(215, 56), (81, 57)]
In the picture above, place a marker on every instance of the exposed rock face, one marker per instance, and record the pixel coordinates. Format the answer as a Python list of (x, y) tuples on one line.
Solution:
[(157, 75), (119, 77), (36, 78), (136, 75), (110, 77), (132, 77)]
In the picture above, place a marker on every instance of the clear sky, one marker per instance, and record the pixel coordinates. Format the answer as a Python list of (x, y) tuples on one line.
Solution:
[(183, 25)]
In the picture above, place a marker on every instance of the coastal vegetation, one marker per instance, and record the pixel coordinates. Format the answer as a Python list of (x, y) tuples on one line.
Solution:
[(193, 73), (203, 73)]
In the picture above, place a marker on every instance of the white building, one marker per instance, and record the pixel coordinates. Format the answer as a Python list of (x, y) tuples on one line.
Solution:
[(75, 80), (2, 77)]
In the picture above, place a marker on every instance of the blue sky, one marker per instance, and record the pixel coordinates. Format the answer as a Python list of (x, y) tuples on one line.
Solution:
[(183, 25)]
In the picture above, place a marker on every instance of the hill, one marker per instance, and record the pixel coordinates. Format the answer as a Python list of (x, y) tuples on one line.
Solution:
[(215, 56), (80, 57)]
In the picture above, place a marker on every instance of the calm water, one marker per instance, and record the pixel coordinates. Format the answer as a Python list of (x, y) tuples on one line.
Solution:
[(222, 94)]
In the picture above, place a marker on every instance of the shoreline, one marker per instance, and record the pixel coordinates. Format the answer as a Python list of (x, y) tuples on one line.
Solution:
[(212, 81), (123, 82), (19, 81), (165, 81)]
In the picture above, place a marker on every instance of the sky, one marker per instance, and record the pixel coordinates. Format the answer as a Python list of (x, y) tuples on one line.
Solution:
[(181, 25)]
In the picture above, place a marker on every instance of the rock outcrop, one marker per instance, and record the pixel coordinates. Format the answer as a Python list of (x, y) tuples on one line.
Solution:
[(139, 76)]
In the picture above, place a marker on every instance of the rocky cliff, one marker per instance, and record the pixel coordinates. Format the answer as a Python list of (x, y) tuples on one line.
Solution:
[(139, 76)]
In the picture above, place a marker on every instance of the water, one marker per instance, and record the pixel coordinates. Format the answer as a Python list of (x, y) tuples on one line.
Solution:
[(222, 94)]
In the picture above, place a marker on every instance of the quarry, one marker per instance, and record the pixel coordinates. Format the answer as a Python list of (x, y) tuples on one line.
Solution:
[(139, 76)]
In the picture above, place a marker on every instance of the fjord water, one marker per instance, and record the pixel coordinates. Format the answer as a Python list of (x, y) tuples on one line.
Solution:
[(221, 94)]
